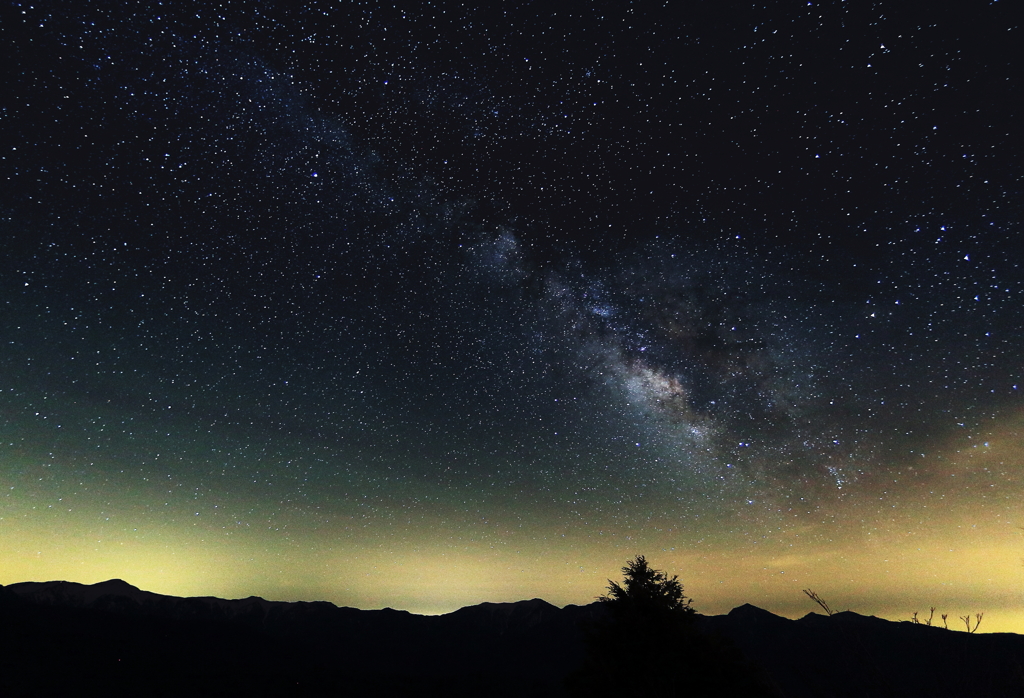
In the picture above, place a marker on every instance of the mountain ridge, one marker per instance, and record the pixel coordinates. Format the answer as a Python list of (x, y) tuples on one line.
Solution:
[(120, 633)]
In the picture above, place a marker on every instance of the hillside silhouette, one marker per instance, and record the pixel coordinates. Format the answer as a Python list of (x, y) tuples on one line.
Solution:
[(111, 638)]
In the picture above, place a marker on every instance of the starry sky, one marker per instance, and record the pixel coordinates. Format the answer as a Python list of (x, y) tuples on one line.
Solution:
[(427, 304)]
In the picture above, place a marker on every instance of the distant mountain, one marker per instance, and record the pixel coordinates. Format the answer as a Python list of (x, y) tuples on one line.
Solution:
[(848, 654), (59, 636), (63, 638)]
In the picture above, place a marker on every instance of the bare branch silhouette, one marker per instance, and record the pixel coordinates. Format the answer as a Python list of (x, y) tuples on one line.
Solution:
[(967, 621), (820, 601)]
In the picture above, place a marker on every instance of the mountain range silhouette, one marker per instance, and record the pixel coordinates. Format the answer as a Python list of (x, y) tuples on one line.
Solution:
[(112, 638)]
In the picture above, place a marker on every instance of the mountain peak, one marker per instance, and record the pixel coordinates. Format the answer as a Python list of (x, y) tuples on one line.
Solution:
[(115, 586), (747, 610)]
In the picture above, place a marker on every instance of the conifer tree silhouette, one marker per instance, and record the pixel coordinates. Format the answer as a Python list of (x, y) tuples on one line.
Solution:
[(648, 591), (648, 639)]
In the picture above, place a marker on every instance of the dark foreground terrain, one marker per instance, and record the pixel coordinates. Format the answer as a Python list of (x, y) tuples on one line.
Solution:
[(62, 638)]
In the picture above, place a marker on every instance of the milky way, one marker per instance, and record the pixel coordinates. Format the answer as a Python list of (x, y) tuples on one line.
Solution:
[(426, 305)]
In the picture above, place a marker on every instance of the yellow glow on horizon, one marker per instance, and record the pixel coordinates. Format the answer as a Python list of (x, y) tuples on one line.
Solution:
[(950, 538), (887, 578)]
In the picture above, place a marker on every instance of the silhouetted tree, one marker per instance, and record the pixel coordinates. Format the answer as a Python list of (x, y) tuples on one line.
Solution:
[(648, 591), (646, 637)]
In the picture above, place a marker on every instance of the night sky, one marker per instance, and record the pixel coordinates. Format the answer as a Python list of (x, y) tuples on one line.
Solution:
[(428, 304)]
